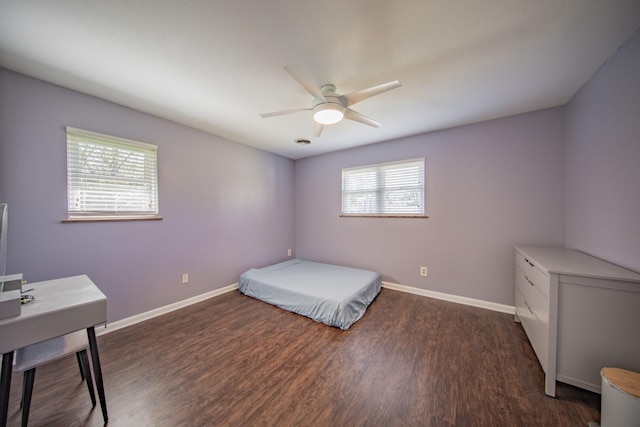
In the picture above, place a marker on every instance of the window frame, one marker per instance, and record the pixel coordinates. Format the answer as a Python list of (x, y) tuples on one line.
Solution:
[(380, 169), (143, 175)]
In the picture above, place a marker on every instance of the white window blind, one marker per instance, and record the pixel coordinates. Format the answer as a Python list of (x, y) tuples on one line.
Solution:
[(110, 177), (388, 189)]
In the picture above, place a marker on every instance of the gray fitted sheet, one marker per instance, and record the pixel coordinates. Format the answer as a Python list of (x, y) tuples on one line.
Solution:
[(334, 295)]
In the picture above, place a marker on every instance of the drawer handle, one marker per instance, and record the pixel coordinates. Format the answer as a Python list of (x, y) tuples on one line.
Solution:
[(530, 282), (528, 308), (529, 262)]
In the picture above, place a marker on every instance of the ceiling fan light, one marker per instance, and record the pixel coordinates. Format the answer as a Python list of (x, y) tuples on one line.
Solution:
[(328, 113)]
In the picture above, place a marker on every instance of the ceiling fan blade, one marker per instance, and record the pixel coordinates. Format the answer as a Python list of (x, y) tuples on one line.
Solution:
[(282, 113), (357, 117), (357, 96), (318, 130), (308, 85)]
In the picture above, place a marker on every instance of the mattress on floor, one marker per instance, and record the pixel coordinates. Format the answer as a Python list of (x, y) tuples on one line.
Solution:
[(334, 295)]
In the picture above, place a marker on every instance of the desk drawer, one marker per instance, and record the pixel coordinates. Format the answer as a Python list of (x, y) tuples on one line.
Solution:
[(533, 274)]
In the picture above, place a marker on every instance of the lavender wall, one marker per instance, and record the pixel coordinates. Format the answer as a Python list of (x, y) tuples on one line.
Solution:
[(226, 207), (488, 186), (603, 161)]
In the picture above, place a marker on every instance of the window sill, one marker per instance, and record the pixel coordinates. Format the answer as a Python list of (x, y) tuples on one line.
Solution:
[(110, 219), (381, 216)]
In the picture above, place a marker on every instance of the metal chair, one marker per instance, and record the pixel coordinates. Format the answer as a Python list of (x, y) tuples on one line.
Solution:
[(28, 358)]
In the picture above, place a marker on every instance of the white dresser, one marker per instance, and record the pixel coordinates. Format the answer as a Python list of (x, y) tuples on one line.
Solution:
[(580, 313)]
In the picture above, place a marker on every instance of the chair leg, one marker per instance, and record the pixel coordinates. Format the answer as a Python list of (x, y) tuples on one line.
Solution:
[(29, 377), (86, 370), (80, 365)]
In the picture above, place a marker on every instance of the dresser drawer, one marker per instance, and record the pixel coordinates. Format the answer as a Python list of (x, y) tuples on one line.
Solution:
[(534, 328), (533, 274), (521, 282), (521, 307), (535, 299), (539, 339)]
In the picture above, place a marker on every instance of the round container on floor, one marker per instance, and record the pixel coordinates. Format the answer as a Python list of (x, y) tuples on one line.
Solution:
[(620, 398)]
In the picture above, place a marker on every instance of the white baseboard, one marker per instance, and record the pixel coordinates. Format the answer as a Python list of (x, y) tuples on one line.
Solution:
[(451, 298), (582, 384), (129, 321)]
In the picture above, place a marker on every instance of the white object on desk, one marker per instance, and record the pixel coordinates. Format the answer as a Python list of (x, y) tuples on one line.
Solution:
[(10, 287), (9, 304), (580, 314), (11, 282)]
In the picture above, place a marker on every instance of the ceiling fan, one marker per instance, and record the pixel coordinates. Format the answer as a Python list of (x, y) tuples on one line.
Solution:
[(329, 107)]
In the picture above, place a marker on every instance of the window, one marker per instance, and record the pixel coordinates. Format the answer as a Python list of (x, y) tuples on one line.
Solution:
[(388, 189), (110, 178)]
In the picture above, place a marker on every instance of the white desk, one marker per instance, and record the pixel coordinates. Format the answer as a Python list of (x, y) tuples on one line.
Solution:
[(61, 306)]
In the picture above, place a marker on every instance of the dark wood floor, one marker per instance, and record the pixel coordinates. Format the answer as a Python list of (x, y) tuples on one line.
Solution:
[(236, 361)]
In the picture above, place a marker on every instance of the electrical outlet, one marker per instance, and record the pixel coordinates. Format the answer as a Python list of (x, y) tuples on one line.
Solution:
[(423, 271), (288, 252), (185, 278)]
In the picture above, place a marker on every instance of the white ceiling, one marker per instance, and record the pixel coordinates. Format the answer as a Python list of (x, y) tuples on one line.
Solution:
[(216, 65)]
